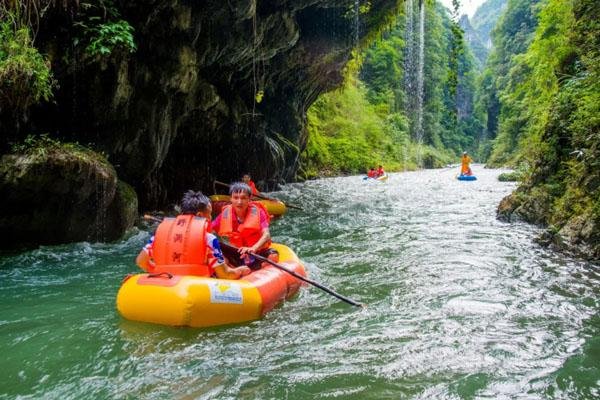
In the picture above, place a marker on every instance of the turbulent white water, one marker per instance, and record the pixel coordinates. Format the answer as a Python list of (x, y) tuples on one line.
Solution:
[(459, 306)]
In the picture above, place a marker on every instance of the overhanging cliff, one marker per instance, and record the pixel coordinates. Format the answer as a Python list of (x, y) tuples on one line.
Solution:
[(183, 108)]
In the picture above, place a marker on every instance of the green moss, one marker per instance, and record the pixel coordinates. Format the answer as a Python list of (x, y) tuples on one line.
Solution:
[(41, 146), (509, 177)]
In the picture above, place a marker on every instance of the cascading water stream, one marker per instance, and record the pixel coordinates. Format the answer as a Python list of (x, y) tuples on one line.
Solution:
[(414, 65), (420, 88), (408, 52)]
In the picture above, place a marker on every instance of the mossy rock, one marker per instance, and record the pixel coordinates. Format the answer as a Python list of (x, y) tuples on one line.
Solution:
[(62, 194), (509, 177)]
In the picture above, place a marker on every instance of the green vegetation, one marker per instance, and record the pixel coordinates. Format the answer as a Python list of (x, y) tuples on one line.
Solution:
[(509, 177), (548, 109), (486, 17), (25, 76), (372, 119), (511, 36), (43, 145), (346, 135), (101, 31)]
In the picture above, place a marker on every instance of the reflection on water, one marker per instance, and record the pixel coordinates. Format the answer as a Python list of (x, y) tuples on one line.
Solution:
[(460, 305)]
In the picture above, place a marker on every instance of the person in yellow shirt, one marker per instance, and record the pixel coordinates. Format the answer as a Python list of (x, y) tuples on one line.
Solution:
[(465, 169)]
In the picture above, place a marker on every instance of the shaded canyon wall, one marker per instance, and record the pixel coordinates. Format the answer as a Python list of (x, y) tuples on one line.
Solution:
[(181, 110)]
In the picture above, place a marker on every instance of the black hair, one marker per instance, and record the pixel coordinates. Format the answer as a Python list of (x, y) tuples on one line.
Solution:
[(193, 202), (238, 187)]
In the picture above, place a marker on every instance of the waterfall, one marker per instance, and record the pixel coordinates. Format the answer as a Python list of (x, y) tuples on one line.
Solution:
[(420, 88), (414, 65), (408, 51)]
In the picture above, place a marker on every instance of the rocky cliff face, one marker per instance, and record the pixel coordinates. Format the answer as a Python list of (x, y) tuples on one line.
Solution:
[(183, 109), (60, 195)]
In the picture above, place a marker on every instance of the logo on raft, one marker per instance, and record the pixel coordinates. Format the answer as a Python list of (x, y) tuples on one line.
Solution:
[(225, 293)]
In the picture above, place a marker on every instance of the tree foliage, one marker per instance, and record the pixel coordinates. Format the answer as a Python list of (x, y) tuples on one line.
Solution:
[(376, 112), (25, 76)]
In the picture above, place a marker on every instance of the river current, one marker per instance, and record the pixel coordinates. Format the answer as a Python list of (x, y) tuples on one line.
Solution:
[(459, 306)]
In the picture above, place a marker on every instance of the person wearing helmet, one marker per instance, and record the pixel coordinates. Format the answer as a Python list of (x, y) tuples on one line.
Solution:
[(465, 169)]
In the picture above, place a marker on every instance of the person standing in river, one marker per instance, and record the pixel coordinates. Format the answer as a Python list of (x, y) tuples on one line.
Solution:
[(184, 245), (465, 169), (246, 225)]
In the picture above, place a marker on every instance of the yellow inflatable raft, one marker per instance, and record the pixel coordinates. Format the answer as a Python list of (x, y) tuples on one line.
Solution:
[(201, 302), (275, 208)]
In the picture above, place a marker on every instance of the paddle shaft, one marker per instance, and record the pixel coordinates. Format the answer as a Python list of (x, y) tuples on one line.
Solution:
[(264, 197), (296, 275)]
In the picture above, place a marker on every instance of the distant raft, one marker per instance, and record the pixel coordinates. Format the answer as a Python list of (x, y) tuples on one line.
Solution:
[(275, 208), (466, 177), (382, 178), (194, 301)]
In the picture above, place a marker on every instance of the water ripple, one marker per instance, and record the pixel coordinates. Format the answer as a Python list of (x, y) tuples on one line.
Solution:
[(459, 305)]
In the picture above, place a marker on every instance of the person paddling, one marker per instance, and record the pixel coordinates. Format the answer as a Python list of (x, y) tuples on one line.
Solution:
[(465, 169), (372, 173), (248, 181), (245, 224), (184, 245), (380, 171)]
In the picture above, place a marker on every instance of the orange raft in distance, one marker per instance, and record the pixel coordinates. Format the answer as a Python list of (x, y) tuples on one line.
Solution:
[(186, 300)]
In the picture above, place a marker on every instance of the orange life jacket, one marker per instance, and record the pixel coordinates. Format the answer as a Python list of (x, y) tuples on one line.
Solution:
[(248, 232), (464, 167), (180, 246)]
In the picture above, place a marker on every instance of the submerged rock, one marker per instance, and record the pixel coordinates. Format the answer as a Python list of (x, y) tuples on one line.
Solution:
[(62, 194)]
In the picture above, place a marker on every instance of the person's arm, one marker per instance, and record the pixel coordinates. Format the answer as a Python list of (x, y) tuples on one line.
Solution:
[(215, 223), (224, 271), (218, 262), (144, 259)]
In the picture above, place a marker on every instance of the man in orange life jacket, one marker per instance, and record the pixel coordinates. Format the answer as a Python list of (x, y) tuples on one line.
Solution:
[(246, 225), (185, 246), (380, 171), (248, 181), (372, 173)]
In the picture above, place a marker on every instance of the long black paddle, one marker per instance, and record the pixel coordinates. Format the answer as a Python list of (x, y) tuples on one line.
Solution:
[(296, 275), (263, 197)]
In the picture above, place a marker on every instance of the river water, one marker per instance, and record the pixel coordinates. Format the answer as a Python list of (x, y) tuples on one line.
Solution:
[(459, 306)]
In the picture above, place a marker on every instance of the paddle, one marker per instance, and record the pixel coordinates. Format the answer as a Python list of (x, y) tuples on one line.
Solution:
[(296, 275), (279, 266), (264, 197)]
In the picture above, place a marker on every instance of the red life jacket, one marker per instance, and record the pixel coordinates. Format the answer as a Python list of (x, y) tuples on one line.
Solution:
[(248, 232), (380, 172), (372, 174), (180, 246), (253, 187)]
